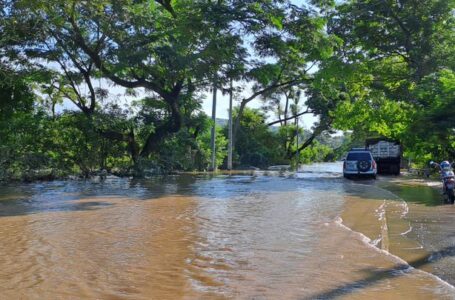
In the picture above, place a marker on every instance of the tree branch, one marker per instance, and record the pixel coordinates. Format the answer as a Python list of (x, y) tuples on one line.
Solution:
[(307, 111), (317, 131), (94, 55), (167, 5), (270, 88)]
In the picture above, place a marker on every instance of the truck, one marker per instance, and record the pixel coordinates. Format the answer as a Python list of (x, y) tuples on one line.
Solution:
[(387, 154)]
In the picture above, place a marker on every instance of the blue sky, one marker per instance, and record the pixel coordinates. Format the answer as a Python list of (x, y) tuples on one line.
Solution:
[(223, 107)]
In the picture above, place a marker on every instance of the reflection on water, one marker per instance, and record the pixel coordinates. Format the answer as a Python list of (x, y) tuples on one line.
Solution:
[(274, 236)]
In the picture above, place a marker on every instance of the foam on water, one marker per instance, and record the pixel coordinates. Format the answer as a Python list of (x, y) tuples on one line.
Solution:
[(407, 267), (407, 231), (405, 209)]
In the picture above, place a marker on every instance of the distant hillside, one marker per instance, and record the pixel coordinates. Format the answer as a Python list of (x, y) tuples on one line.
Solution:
[(221, 122)]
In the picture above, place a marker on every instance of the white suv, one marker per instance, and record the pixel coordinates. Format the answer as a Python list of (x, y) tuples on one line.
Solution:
[(359, 162)]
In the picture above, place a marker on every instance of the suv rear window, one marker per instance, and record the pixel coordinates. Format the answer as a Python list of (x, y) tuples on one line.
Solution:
[(359, 156)]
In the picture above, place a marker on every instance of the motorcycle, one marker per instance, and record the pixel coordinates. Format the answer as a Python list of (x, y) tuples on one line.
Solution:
[(448, 179)]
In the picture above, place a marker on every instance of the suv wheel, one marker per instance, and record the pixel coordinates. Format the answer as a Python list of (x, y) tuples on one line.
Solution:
[(363, 165)]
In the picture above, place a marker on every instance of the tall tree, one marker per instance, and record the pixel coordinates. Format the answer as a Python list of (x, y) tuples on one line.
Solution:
[(390, 49), (170, 51)]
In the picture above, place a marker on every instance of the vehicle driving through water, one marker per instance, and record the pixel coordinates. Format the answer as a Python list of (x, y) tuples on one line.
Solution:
[(447, 178), (359, 163)]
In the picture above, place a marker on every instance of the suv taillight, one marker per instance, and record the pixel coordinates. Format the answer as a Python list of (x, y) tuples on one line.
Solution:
[(374, 164)]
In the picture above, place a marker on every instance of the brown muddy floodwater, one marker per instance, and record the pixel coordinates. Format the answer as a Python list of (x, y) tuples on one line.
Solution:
[(310, 235)]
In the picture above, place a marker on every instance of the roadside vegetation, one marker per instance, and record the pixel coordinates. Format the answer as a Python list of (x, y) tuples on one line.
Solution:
[(118, 85)]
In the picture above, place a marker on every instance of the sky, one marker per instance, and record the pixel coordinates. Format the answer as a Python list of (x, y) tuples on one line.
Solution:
[(223, 108)]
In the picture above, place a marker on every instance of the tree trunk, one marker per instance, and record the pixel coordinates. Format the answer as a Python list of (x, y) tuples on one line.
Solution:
[(133, 146), (172, 126), (286, 107), (317, 131)]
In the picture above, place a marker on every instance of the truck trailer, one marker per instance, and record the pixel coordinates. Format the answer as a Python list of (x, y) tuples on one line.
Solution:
[(387, 154)]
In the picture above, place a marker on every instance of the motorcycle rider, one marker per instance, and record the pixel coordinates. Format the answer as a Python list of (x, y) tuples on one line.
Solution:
[(445, 167), (448, 179)]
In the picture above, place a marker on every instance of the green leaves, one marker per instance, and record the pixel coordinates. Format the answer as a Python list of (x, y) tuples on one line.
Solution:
[(373, 66), (389, 66), (277, 22)]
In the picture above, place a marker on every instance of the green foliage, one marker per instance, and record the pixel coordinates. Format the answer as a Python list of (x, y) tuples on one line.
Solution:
[(317, 152), (434, 123), (256, 144), (186, 152), (204, 151), (37, 143), (17, 123), (370, 67), (389, 69)]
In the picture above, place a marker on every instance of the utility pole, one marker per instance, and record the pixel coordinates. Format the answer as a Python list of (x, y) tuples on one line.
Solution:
[(297, 133), (297, 129), (213, 135), (229, 162)]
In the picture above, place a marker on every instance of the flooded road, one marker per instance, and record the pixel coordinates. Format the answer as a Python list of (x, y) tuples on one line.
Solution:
[(309, 235)]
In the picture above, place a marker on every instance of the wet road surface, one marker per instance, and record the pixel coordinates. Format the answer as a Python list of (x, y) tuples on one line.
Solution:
[(309, 235)]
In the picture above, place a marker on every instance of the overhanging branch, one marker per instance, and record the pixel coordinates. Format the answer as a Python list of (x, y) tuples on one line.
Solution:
[(97, 60), (307, 111)]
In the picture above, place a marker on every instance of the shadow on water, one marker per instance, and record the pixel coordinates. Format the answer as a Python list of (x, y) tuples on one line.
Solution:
[(57, 196), (24, 207), (386, 190), (423, 195), (380, 275)]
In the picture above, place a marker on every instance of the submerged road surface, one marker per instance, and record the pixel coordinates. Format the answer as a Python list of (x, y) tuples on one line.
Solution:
[(309, 235)]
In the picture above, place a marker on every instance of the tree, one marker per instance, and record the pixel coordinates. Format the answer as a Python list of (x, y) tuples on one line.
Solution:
[(257, 145), (16, 110), (433, 127), (290, 48), (389, 50), (415, 34), (168, 50)]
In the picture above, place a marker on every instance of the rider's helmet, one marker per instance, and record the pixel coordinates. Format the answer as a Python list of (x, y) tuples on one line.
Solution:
[(445, 165)]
